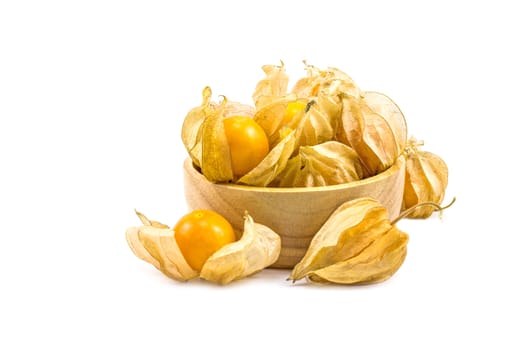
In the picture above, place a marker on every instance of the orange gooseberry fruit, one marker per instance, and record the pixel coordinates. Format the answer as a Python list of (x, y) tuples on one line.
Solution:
[(292, 110), (248, 143), (200, 233)]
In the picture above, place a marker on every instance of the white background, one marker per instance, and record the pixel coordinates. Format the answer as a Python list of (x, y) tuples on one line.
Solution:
[(92, 97)]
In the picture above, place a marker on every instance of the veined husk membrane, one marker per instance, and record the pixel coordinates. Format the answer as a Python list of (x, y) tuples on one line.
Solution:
[(273, 86), (328, 163), (154, 243), (258, 248), (369, 123), (357, 244), (204, 137), (369, 133), (426, 177)]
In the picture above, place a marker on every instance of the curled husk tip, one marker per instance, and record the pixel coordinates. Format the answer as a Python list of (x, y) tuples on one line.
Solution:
[(258, 248)]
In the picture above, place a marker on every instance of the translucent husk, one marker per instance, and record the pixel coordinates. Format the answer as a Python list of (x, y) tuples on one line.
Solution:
[(322, 116), (271, 118), (331, 81), (336, 110), (274, 162), (358, 244), (308, 86), (258, 248), (348, 231), (154, 243), (385, 107), (234, 108), (376, 263), (191, 132), (369, 134), (204, 138), (328, 163), (318, 122), (426, 177), (273, 86), (308, 128), (216, 157)]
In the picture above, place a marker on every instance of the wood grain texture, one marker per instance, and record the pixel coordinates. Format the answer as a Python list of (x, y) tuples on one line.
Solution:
[(296, 214)]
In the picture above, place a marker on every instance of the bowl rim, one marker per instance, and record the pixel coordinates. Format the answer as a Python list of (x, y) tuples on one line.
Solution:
[(398, 164)]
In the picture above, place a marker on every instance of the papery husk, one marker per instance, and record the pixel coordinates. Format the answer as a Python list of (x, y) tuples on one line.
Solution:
[(234, 108), (288, 142), (338, 82), (258, 248), (328, 163), (426, 178), (216, 156), (271, 118), (147, 222), (389, 110), (273, 86), (358, 244), (274, 162), (309, 85), (350, 229), (331, 81), (369, 134), (191, 132), (154, 243), (318, 122), (204, 138), (376, 263)]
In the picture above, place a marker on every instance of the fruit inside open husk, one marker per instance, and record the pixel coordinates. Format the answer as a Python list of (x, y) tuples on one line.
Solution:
[(324, 116)]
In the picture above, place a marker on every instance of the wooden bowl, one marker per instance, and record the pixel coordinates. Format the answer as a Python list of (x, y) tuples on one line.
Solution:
[(296, 214)]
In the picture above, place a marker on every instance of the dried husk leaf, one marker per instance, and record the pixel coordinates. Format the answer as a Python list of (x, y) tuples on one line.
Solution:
[(216, 156), (318, 122), (273, 86), (351, 228), (147, 222), (156, 245), (258, 248), (308, 86), (328, 163), (271, 117), (291, 175), (356, 245), (314, 125), (376, 263), (338, 82), (352, 122), (369, 134), (379, 148), (191, 132), (389, 110), (132, 237), (426, 178), (331, 81), (274, 162), (234, 108), (332, 106), (204, 138)]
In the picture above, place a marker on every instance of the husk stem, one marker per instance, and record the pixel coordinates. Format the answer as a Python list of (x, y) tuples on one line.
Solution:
[(437, 207), (308, 106), (412, 146)]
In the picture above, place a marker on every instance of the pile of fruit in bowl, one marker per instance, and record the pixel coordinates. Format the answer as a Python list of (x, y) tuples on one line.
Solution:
[(311, 178)]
